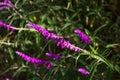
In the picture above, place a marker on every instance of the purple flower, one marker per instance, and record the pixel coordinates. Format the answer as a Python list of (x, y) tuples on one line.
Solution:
[(31, 60), (6, 3), (83, 71), (43, 31), (53, 56), (48, 65), (60, 41), (7, 79), (66, 44), (83, 36), (3, 7), (6, 26)]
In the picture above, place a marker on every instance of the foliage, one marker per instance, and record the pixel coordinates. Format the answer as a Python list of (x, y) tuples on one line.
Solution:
[(100, 20)]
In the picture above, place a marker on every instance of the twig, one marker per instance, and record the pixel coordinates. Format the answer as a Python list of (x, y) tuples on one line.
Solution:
[(25, 29), (7, 43)]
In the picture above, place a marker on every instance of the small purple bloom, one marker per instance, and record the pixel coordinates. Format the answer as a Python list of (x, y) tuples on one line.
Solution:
[(8, 27), (48, 65), (7, 79), (83, 36), (83, 71), (59, 41), (3, 7), (53, 56), (6, 3)]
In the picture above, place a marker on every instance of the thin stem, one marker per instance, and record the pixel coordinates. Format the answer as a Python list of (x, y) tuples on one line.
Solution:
[(12, 68), (25, 29), (7, 43)]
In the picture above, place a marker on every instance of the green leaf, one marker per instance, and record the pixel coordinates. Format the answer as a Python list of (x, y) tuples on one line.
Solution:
[(57, 7), (66, 25), (11, 53), (111, 45), (44, 17)]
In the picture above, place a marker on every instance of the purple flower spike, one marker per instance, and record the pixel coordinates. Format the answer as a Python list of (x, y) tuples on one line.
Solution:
[(83, 36), (53, 56), (6, 3), (35, 61), (43, 31), (83, 71), (60, 41), (6, 26), (30, 59)]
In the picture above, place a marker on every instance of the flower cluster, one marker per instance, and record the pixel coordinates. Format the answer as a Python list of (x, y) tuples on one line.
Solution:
[(36, 61), (6, 26), (53, 56), (60, 41), (83, 71), (83, 36), (6, 3)]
